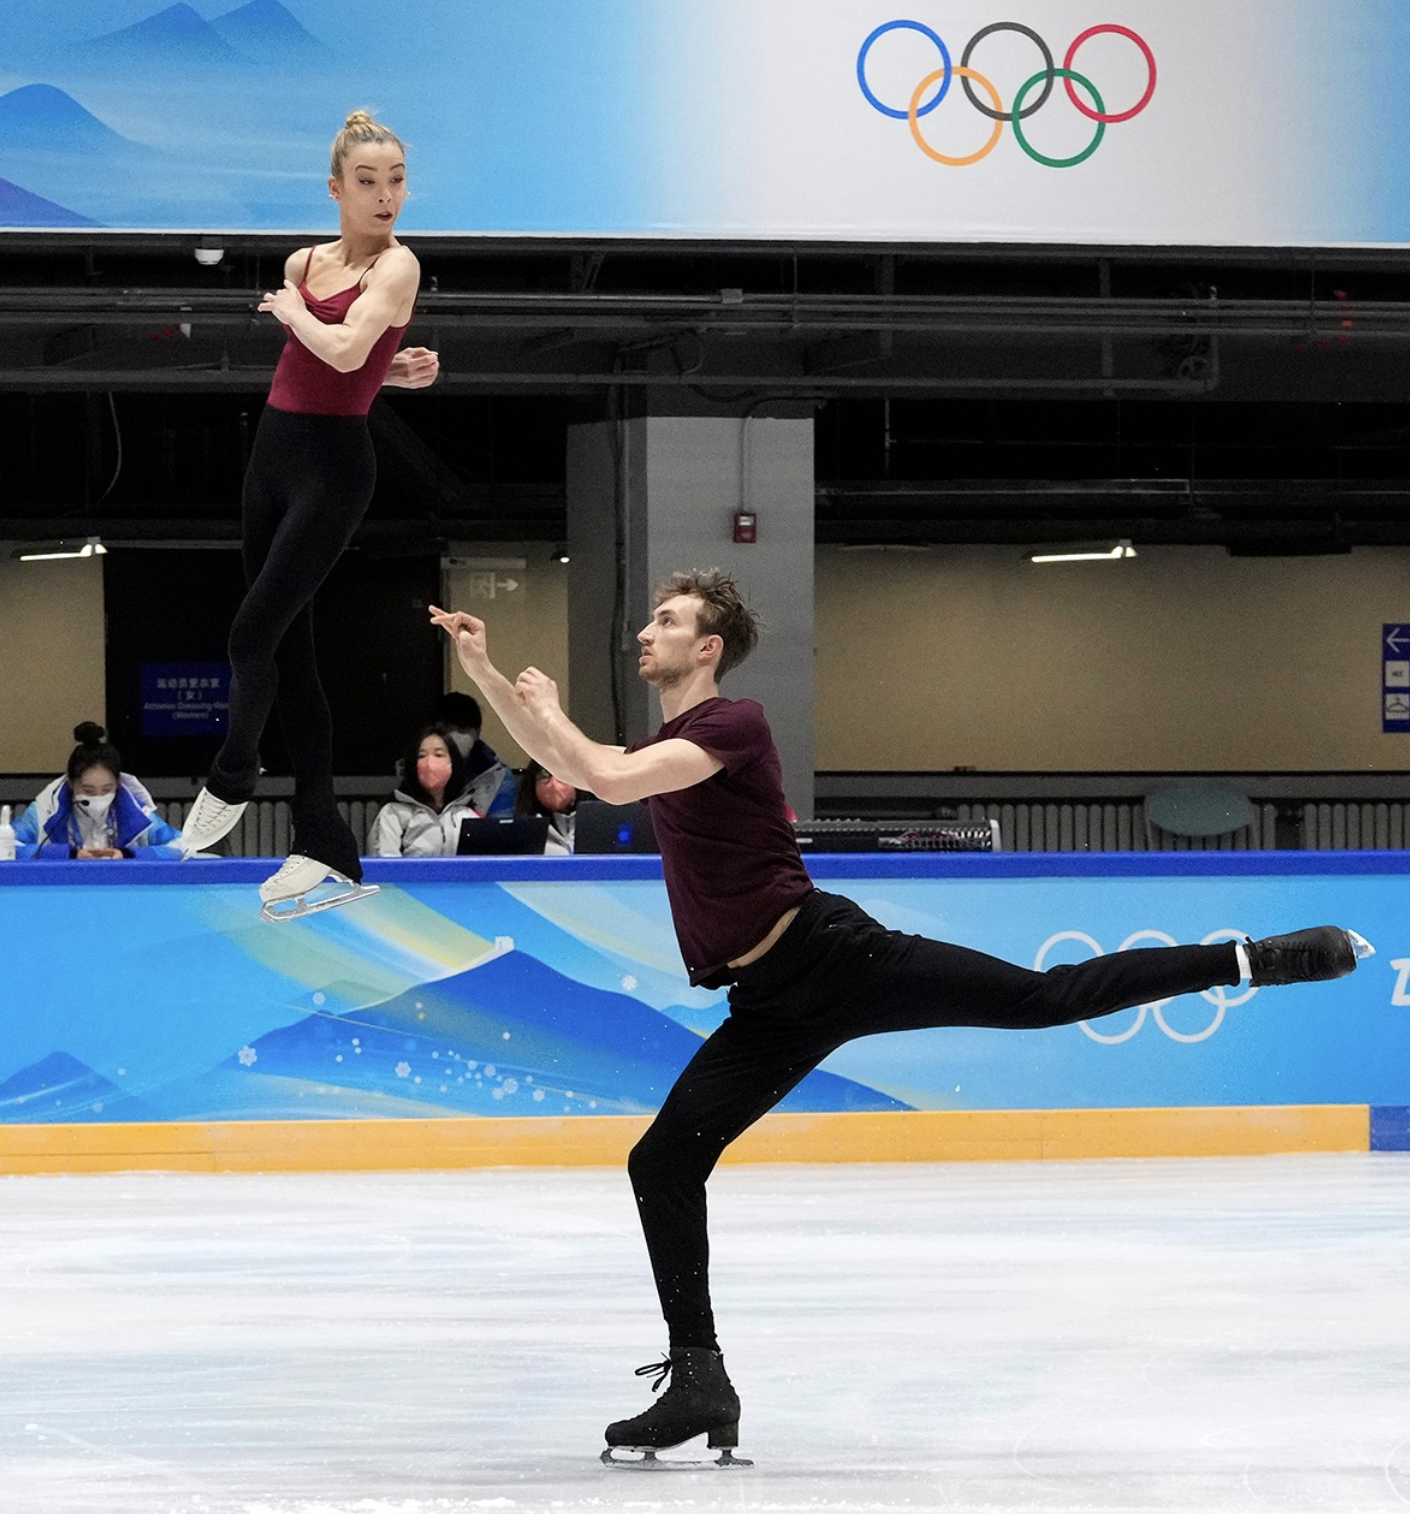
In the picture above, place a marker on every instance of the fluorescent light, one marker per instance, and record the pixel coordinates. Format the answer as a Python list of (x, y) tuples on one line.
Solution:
[(1120, 550), (53, 551)]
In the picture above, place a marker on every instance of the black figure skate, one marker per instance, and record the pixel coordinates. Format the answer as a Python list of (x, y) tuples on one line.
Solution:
[(1315, 955), (700, 1401)]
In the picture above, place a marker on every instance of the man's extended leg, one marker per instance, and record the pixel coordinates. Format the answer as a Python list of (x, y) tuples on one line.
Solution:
[(850, 976)]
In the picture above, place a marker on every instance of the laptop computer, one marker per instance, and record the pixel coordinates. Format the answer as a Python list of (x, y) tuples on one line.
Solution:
[(605, 828), (519, 836)]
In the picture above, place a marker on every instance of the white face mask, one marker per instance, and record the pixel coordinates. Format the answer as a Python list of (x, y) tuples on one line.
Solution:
[(97, 805)]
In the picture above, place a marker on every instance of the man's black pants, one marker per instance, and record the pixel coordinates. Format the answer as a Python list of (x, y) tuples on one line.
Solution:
[(835, 975)]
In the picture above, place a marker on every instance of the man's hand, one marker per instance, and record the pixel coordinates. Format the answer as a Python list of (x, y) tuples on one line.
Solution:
[(284, 304), (538, 693), (413, 368), (468, 634), (97, 853)]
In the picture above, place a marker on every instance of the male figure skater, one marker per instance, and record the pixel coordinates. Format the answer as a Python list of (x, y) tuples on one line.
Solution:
[(807, 970)]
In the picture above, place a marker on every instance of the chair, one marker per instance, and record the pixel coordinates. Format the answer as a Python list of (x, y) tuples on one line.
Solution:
[(1197, 808)]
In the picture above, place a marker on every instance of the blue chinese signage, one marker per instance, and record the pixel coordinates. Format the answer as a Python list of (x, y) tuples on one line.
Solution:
[(185, 698)]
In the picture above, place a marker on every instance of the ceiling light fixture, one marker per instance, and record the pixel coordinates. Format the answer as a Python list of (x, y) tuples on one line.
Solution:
[(51, 551), (1121, 550)]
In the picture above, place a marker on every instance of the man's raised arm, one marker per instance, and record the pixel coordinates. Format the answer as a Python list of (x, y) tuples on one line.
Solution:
[(535, 718)]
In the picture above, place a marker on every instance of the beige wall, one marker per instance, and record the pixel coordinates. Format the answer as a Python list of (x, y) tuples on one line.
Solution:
[(51, 659), (958, 656), (526, 625), (1184, 658)]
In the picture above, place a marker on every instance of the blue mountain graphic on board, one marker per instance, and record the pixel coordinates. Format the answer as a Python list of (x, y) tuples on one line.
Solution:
[(61, 1090), (174, 38), (512, 1037), (262, 25), (69, 156), (20, 208), (41, 116)]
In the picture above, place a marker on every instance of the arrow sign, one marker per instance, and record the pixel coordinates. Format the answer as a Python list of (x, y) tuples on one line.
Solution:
[(1395, 680)]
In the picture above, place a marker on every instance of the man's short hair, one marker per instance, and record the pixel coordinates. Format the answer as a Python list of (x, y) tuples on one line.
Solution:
[(461, 712), (722, 612)]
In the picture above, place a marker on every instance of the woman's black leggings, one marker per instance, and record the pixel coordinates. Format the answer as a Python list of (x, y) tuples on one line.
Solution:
[(307, 488), (834, 975)]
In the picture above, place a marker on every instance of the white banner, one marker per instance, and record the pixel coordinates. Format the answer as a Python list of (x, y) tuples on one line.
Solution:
[(1139, 122)]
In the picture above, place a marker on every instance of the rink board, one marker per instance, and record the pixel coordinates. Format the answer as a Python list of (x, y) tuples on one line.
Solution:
[(534, 1010), (929, 1136)]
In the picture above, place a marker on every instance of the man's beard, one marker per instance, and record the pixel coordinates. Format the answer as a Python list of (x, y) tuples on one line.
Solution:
[(663, 679)]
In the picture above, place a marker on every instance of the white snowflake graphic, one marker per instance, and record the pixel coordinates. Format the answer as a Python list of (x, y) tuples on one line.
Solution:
[(629, 983), (402, 1069), (248, 1056)]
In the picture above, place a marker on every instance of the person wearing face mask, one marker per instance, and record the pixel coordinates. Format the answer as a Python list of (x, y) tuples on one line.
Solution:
[(95, 812), (540, 793), (430, 802), (491, 782)]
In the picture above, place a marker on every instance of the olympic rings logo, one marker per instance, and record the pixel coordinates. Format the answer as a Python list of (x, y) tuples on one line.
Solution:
[(1222, 998), (1022, 108)]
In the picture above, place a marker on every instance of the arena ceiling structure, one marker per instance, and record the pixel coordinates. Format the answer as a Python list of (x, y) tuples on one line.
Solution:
[(1128, 295), (1252, 399)]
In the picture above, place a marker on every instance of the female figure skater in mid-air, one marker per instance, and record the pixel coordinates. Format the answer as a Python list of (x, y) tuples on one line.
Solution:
[(345, 306)]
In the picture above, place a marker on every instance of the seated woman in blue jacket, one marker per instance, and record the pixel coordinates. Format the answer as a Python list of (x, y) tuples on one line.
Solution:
[(95, 812)]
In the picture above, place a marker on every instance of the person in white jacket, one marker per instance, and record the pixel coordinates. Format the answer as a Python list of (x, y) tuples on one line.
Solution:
[(432, 799)]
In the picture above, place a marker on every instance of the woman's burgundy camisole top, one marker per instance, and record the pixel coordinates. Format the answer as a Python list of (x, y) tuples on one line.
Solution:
[(306, 385)]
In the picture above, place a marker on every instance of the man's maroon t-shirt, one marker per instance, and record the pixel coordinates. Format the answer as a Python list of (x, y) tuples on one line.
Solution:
[(727, 848)]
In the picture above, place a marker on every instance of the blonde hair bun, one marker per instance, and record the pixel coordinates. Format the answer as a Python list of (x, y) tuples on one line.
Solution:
[(360, 130)]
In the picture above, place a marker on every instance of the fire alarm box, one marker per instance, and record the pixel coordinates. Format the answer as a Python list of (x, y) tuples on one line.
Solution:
[(746, 526)]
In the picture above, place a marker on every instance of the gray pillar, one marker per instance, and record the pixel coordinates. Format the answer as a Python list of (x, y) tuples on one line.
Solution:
[(655, 493)]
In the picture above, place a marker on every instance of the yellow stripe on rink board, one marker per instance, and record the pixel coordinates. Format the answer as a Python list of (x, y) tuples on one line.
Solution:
[(922, 1136)]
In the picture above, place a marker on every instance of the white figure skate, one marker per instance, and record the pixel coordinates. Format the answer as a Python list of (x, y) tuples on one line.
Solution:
[(210, 820), (296, 890)]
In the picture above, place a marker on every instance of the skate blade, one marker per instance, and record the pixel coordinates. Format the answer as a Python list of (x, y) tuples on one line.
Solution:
[(643, 1459), (314, 902), (1360, 945)]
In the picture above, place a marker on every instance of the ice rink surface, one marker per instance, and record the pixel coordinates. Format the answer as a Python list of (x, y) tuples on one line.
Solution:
[(1212, 1335)]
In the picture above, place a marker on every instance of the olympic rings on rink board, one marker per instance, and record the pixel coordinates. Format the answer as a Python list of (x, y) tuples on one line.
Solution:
[(1019, 110), (1222, 998)]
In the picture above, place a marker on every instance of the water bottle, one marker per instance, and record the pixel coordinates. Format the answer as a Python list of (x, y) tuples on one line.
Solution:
[(7, 835)]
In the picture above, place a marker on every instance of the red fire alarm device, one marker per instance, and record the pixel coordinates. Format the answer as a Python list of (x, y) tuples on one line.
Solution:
[(746, 526)]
